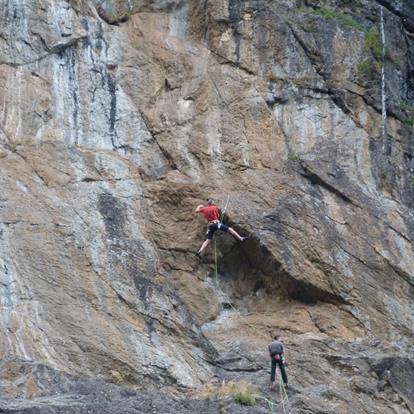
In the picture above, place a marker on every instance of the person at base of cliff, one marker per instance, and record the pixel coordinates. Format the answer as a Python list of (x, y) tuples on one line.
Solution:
[(277, 358), (212, 215)]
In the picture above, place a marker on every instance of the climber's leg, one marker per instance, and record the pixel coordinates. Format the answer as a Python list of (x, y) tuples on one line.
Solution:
[(283, 371), (211, 228), (233, 233), (203, 246)]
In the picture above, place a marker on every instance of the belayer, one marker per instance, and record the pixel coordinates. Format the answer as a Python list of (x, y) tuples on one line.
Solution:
[(277, 358), (212, 215)]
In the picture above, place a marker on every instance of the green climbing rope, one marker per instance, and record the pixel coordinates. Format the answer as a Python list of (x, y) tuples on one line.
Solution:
[(284, 397), (215, 246), (216, 278), (215, 265)]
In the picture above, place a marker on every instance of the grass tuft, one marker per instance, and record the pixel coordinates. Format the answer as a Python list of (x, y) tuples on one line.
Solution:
[(226, 389), (372, 65), (373, 43), (369, 68), (245, 399)]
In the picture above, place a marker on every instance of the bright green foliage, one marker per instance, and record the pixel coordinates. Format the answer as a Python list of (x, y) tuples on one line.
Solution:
[(365, 67), (245, 399), (369, 68), (341, 18), (373, 42)]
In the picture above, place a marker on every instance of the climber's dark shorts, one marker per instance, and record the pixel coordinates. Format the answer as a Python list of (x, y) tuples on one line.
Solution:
[(212, 227)]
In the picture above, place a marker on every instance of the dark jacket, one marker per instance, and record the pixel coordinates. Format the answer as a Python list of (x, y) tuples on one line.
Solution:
[(276, 347)]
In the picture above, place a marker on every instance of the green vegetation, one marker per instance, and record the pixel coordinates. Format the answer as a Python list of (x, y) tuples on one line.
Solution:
[(341, 18), (245, 399), (373, 43), (293, 157), (409, 121), (371, 66), (408, 113), (407, 106), (365, 68)]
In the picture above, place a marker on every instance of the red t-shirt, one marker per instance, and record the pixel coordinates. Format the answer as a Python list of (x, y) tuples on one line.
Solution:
[(210, 213)]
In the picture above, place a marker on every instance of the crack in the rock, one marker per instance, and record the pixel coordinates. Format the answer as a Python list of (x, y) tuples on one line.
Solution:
[(8, 145), (236, 65), (311, 57), (400, 272), (333, 91), (316, 179), (406, 21), (109, 180), (399, 233), (31, 167), (220, 363), (247, 369), (153, 134), (50, 51)]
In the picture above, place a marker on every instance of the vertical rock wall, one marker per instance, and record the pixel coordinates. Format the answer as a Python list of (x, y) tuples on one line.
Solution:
[(118, 117)]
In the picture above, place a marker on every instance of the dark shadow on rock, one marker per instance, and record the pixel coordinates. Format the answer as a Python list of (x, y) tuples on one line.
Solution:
[(399, 372), (250, 266)]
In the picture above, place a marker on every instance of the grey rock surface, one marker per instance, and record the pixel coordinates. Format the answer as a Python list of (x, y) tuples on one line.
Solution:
[(118, 117)]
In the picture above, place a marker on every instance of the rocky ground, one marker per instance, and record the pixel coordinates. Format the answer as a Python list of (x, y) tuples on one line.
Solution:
[(118, 117)]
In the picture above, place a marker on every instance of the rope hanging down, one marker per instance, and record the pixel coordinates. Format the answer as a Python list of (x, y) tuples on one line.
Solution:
[(217, 280), (284, 399), (224, 209), (215, 246)]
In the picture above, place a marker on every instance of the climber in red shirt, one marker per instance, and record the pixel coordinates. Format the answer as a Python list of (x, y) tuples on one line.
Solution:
[(212, 215)]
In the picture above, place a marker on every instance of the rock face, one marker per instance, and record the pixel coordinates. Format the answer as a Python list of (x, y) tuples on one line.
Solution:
[(118, 117)]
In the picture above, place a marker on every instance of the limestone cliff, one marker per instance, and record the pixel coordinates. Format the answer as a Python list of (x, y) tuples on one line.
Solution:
[(118, 117)]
